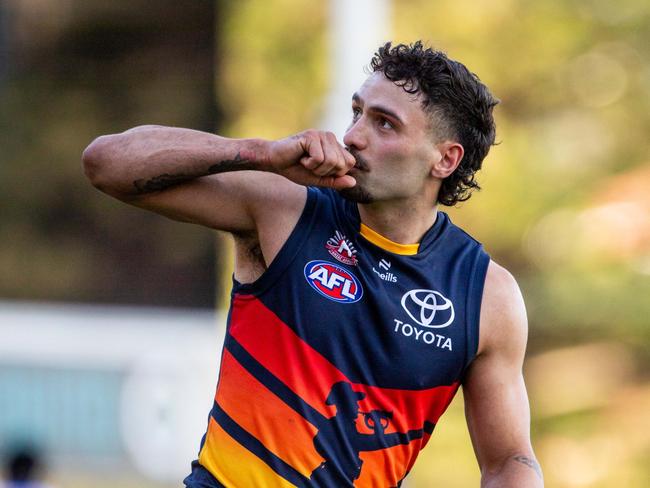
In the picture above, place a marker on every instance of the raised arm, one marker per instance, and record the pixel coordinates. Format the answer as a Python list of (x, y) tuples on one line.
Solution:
[(496, 403), (194, 176)]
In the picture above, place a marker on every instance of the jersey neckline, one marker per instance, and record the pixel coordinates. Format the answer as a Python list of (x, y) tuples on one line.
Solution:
[(431, 236), (386, 244)]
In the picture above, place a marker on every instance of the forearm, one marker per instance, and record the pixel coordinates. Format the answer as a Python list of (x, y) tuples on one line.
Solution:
[(516, 472), (152, 158)]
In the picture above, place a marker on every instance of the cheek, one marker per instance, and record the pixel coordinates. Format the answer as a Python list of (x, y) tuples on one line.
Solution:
[(406, 160), (396, 153)]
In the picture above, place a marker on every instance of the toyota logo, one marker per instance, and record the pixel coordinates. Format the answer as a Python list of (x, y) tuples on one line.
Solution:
[(428, 308)]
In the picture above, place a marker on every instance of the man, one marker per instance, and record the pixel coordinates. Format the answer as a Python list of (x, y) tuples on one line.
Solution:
[(347, 274)]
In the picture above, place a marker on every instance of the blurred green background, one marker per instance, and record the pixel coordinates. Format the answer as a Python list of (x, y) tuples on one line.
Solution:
[(565, 205)]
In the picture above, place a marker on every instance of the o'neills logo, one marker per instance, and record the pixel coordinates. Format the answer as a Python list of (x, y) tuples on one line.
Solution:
[(390, 277), (333, 282), (342, 249)]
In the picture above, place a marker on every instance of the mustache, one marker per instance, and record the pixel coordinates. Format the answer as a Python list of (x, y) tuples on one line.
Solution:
[(361, 163)]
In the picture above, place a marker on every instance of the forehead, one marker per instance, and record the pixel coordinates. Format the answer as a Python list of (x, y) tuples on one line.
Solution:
[(378, 90)]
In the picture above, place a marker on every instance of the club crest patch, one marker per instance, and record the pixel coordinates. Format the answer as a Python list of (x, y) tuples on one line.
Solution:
[(342, 249)]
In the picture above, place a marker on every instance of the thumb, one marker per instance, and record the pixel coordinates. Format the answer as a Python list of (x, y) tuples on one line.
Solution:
[(337, 182)]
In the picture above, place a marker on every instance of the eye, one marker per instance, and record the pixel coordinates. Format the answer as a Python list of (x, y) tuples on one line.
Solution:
[(356, 112), (384, 123)]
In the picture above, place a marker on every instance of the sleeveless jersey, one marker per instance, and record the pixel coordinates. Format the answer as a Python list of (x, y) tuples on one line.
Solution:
[(339, 360)]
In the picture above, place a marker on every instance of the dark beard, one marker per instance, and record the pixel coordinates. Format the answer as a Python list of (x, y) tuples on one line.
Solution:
[(356, 194)]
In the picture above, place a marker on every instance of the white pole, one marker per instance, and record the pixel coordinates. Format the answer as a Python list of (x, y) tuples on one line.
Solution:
[(357, 28)]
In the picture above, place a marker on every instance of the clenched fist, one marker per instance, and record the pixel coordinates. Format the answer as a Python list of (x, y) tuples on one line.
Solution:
[(311, 158)]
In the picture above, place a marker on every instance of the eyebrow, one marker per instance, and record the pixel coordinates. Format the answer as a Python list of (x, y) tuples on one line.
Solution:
[(378, 108)]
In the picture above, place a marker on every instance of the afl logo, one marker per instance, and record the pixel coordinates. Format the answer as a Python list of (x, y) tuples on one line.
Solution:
[(428, 308), (333, 282)]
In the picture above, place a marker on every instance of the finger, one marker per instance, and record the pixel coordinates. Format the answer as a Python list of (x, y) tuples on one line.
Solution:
[(337, 182), (311, 165), (345, 181), (334, 159), (345, 165), (347, 160), (298, 174), (330, 156), (341, 166), (350, 160), (313, 147)]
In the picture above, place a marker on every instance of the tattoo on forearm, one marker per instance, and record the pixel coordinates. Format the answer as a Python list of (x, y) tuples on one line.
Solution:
[(166, 180), (229, 165), (530, 462), (160, 182)]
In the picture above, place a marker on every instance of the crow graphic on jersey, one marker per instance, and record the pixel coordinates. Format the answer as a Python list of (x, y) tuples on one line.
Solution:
[(339, 442)]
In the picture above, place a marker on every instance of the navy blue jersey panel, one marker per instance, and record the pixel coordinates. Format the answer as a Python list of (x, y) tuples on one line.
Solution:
[(383, 319)]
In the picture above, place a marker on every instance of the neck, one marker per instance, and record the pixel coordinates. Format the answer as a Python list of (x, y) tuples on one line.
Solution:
[(404, 224)]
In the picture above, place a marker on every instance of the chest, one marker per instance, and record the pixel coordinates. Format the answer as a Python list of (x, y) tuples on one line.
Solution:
[(384, 319)]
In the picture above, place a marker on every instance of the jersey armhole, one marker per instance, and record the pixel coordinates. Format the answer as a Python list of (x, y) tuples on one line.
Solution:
[(476, 285), (287, 253)]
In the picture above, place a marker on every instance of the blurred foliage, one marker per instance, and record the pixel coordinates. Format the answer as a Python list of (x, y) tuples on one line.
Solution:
[(274, 66), (75, 70)]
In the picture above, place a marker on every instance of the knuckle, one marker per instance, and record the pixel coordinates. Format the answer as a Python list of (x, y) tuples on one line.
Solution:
[(308, 163), (309, 135)]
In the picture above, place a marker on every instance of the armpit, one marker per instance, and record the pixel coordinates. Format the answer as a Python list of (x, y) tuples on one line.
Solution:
[(249, 259)]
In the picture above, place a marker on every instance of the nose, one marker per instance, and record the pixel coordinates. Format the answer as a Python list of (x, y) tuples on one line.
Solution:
[(354, 137)]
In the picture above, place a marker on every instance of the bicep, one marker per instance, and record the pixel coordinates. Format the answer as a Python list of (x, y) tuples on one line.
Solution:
[(232, 202), (497, 411), (496, 403)]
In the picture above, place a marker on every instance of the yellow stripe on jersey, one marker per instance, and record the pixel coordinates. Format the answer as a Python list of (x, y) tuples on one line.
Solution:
[(386, 244), (244, 467), (277, 426)]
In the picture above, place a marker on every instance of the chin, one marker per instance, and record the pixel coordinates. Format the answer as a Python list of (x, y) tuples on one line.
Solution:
[(356, 194)]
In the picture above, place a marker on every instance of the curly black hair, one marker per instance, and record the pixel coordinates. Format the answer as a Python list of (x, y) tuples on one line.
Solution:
[(459, 104)]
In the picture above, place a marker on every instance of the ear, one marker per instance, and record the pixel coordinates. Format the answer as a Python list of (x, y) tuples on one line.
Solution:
[(451, 154)]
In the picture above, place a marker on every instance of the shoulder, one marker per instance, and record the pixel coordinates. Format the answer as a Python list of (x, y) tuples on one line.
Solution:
[(503, 323)]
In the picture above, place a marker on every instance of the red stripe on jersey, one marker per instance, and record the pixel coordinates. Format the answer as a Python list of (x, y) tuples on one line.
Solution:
[(311, 376)]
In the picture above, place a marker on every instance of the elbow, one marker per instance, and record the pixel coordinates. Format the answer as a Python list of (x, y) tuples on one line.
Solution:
[(519, 469), (96, 162)]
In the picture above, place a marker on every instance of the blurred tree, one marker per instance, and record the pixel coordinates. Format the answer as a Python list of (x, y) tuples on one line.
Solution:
[(573, 81), (78, 70)]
